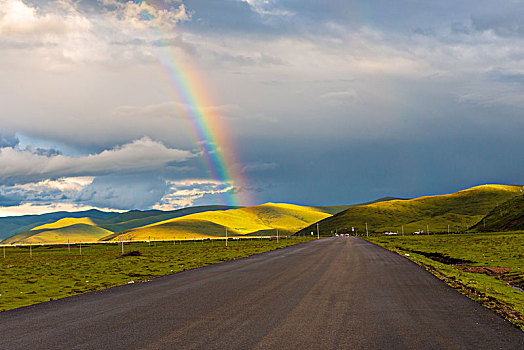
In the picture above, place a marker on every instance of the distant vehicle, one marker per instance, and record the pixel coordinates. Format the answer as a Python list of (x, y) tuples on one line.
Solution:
[(390, 233), (416, 233)]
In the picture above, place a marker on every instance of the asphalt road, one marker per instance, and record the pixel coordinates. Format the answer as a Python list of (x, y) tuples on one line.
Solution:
[(337, 293)]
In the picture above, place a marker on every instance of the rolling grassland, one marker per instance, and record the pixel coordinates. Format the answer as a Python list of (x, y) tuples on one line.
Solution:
[(30, 275), (73, 233), (187, 223), (28, 229), (508, 216), (457, 212), (258, 220)]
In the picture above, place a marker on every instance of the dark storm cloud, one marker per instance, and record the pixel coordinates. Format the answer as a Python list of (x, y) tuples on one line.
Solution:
[(353, 172), (123, 192), (34, 164), (34, 193), (6, 201), (328, 101), (47, 152)]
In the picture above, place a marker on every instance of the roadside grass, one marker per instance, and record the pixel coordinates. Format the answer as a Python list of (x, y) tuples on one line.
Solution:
[(53, 272), (492, 272)]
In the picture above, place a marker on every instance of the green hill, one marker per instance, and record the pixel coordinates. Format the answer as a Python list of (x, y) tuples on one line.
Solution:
[(136, 218), (15, 224), (24, 227), (260, 219), (507, 216), (460, 210), (72, 233), (335, 209)]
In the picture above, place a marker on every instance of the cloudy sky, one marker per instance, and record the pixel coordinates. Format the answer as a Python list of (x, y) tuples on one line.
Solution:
[(310, 102)]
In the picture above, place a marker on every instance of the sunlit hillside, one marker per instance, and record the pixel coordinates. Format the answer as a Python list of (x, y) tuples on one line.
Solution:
[(261, 219), (135, 218), (26, 227), (12, 225), (64, 222), (460, 210), (73, 233)]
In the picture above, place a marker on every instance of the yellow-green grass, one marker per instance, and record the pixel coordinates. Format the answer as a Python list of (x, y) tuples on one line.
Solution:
[(65, 222), (502, 250), (73, 233), (113, 222), (55, 272), (133, 219), (12, 225), (507, 216), (262, 219), (460, 210)]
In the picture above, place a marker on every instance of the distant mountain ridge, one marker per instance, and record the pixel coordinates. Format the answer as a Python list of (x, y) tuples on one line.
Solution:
[(187, 223), (22, 227), (335, 209), (11, 225), (458, 211), (262, 219)]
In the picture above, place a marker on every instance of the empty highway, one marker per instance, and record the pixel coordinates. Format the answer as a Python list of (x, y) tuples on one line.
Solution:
[(336, 293)]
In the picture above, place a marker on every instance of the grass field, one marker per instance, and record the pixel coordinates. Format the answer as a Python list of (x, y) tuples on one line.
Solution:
[(487, 267), (55, 272), (458, 211), (262, 219), (507, 216)]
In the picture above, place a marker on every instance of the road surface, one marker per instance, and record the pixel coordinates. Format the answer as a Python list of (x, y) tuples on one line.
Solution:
[(336, 293)]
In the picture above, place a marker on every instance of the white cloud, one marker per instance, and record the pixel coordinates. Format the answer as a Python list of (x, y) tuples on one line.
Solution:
[(62, 190), (184, 193), (267, 8), (60, 33), (61, 184), (142, 15), (37, 209), (140, 155), (18, 18)]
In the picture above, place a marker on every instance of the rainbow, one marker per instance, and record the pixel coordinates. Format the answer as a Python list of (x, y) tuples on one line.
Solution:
[(208, 131)]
